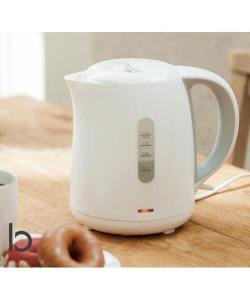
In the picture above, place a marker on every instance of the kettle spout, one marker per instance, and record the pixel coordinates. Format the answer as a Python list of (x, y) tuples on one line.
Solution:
[(75, 84), (80, 77)]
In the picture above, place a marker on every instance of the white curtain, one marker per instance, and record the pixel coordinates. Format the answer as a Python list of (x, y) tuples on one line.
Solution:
[(22, 64)]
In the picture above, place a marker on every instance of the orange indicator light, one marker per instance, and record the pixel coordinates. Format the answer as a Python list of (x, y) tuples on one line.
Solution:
[(145, 210)]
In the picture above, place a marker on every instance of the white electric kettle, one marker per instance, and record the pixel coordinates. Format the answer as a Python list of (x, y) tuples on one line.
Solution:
[(134, 155)]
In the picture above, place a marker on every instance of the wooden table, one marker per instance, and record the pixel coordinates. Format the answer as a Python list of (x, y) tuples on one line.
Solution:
[(35, 143)]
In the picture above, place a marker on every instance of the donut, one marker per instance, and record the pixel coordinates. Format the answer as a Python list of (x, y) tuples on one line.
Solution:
[(70, 245)]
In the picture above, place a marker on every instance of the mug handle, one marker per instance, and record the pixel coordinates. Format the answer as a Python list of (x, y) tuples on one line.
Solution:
[(228, 118)]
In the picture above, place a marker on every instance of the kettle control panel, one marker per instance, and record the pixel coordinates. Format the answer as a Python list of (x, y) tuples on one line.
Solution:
[(146, 150)]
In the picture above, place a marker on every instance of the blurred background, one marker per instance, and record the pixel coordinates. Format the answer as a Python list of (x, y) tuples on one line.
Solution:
[(34, 64)]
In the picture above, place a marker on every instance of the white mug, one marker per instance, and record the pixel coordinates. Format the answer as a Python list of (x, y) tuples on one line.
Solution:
[(8, 207)]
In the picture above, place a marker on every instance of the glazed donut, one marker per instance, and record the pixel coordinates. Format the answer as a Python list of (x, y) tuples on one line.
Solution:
[(70, 245)]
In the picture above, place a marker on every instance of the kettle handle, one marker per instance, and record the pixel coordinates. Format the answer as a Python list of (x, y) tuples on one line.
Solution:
[(228, 118)]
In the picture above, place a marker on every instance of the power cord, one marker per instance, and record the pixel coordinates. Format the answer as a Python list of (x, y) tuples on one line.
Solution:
[(213, 190)]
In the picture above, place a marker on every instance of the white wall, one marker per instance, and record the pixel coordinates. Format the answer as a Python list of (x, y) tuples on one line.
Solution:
[(65, 53), (71, 52), (22, 64)]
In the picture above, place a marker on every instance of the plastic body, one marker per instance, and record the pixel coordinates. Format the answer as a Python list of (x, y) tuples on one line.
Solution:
[(106, 191)]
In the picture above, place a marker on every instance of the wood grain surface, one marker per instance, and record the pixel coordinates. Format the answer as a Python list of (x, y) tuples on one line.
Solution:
[(35, 143)]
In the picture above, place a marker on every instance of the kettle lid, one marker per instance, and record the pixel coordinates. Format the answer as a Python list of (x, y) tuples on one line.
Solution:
[(127, 71)]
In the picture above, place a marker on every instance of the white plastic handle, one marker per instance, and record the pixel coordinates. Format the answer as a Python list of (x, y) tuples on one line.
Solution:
[(228, 118)]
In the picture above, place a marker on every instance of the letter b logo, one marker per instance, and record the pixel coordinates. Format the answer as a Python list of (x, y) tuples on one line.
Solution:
[(20, 232)]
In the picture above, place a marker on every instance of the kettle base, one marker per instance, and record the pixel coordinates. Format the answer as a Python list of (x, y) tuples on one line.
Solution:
[(165, 226)]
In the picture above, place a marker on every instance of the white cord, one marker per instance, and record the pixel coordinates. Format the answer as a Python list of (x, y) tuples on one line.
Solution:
[(213, 190)]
